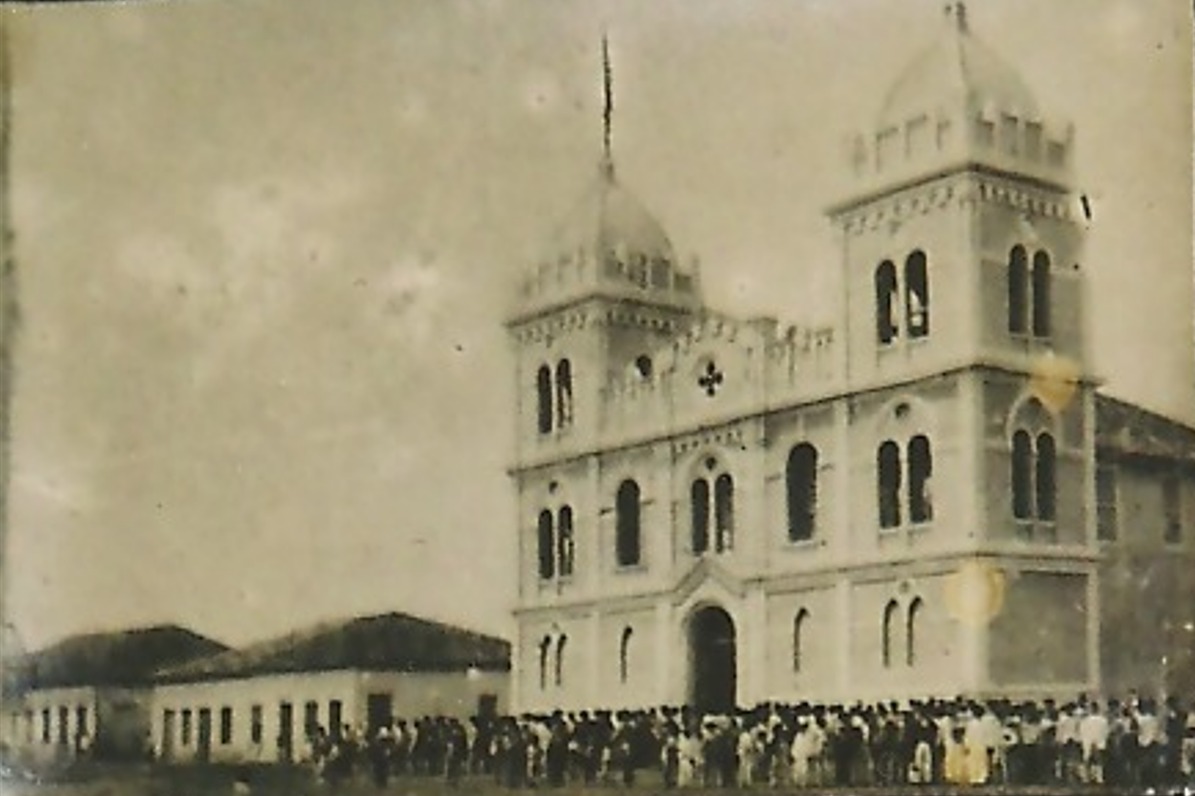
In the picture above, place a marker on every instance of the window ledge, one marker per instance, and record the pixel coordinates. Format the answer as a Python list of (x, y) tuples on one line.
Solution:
[(630, 569), (804, 544)]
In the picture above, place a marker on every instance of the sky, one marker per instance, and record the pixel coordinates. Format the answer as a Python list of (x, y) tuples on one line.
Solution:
[(266, 248)]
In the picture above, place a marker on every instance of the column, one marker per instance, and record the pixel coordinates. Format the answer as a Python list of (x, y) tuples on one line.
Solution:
[(752, 687)]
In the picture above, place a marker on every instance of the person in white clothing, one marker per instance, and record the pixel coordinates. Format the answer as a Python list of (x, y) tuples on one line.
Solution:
[(1093, 738)]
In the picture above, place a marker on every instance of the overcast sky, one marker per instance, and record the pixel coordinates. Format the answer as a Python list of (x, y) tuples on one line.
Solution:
[(266, 247)]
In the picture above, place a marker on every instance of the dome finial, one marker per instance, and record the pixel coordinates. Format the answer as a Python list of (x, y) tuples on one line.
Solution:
[(956, 12), (607, 108)]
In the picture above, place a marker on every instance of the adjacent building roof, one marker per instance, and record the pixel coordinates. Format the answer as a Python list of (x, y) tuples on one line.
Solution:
[(1126, 429), (389, 642), (116, 658)]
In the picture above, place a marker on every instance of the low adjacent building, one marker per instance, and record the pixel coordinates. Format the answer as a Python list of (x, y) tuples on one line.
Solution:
[(263, 702), (91, 693)]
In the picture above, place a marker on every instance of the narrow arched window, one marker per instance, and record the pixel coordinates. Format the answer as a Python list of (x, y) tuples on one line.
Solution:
[(799, 622), (1041, 294), (564, 541), (885, 287), (890, 611), (544, 646), (801, 481), (724, 512), (911, 631), (699, 499), (543, 384), (1018, 286), (560, 644), (921, 469), (564, 393), (888, 467), (547, 551), (627, 531), (1046, 487), (1022, 475), (917, 294), (624, 652)]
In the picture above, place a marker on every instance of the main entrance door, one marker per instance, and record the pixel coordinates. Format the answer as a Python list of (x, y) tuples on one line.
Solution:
[(712, 661)]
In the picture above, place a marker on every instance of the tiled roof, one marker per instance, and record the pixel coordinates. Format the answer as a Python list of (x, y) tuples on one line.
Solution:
[(1126, 429), (389, 642)]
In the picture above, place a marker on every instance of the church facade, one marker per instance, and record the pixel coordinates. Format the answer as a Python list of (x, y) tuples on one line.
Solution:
[(718, 511)]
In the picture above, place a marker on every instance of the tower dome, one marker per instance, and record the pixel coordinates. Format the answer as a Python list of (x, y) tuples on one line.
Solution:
[(957, 72), (959, 104)]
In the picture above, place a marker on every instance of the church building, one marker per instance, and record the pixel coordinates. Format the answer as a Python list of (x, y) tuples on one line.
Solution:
[(930, 497)]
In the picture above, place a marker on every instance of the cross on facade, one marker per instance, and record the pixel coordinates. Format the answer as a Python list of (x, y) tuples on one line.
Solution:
[(711, 380)]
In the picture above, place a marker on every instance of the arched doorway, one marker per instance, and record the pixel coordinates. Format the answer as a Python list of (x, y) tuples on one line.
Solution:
[(712, 664)]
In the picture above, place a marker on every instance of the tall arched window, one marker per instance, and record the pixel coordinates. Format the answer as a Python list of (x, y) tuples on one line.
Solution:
[(1041, 294), (799, 622), (724, 513), (544, 646), (564, 393), (564, 541), (627, 532), (888, 467), (1018, 287), (560, 644), (547, 552), (801, 480), (1022, 475), (624, 652), (890, 611), (543, 383), (917, 294), (921, 468), (885, 287), (1046, 487), (699, 499), (911, 631)]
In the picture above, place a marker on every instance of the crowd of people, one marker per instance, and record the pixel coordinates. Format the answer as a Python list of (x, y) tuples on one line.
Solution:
[(1135, 743)]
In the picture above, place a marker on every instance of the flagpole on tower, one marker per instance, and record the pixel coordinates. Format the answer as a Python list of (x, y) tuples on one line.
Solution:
[(607, 107)]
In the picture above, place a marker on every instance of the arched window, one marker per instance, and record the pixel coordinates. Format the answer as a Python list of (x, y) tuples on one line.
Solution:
[(724, 513), (1022, 475), (917, 294), (544, 392), (547, 553), (564, 393), (885, 287), (1041, 294), (888, 467), (890, 611), (564, 540), (921, 468), (799, 622), (627, 533), (544, 646), (801, 480), (560, 644), (1046, 488), (1018, 286), (699, 498), (624, 651), (911, 631)]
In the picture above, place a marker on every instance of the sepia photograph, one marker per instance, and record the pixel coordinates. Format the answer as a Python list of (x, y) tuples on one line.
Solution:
[(487, 396)]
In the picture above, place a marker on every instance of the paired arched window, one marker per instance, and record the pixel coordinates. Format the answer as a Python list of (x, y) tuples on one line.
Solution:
[(888, 296), (628, 542), (799, 623), (801, 483), (918, 462), (555, 542), (1034, 465), (554, 396), (1029, 292), (712, 504), (624, 653), (892, 625)]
